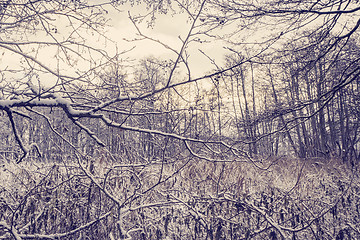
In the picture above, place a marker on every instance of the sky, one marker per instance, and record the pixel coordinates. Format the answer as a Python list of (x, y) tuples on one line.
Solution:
[(166, 29)]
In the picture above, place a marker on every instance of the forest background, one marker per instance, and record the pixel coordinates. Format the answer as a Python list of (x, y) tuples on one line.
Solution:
[(179, 119)]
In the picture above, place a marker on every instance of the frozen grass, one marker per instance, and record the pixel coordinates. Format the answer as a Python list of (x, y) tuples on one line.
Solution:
[(186, 199)]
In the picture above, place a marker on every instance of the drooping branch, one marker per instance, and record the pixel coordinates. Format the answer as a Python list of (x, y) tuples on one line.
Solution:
[(18, 139)]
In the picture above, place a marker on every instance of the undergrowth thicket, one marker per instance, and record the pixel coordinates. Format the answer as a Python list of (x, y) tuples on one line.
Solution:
[(292, 199)]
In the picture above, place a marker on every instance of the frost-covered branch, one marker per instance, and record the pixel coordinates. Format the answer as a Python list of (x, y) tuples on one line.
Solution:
[(18, 139), (66, 234)]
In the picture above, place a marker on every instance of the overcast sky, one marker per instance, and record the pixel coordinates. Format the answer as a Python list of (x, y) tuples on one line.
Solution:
[(167, 29)]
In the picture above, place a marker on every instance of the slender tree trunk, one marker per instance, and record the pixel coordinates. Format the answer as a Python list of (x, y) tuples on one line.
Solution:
[(287, 131)]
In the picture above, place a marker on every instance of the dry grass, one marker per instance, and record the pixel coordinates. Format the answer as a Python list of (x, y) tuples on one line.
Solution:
[(185, 199)]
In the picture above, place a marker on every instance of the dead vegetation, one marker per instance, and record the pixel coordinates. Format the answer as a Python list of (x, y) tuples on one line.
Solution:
[(293, 199)]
